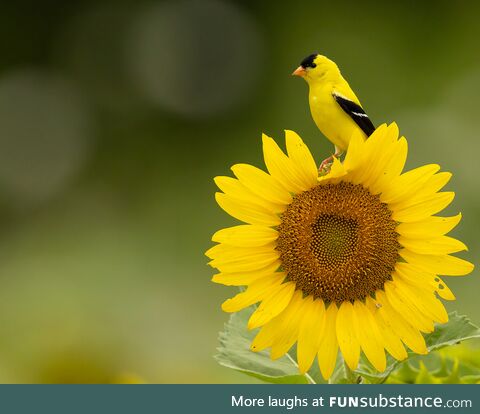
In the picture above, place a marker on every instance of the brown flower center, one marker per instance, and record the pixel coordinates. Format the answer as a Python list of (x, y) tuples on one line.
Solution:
[(338, 242)]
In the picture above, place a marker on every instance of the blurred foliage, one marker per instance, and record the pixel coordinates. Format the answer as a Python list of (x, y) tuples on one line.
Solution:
[(458, 364), (113, 120)]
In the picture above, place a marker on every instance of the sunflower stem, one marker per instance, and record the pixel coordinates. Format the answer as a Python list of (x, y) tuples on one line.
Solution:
[(343, 374), (350, 376)]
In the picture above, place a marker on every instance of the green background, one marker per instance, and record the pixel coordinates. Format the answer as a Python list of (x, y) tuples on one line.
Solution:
[(115, 117)]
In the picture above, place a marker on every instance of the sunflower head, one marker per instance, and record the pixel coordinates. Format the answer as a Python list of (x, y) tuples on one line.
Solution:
[(349, 260)]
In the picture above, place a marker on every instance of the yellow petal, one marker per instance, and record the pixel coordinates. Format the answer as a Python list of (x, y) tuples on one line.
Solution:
[(301, 158), (397, 323), (247, 212), (384, 151), (406, 309), (246, 263), (432, 226), (371, 150), (369, 336), (291, 319), (423, 192), (434, 184), (427, 207), (254, 293), (421, 299), (440, 265), (281, 167), (311, 333), (355, 153), (262, 184), (378, 140), (245, 278), (347, 339), (227, 252), (327, 353), (272, 305), (246, 235), (266, 336), (389, 339), (437, 245), (391, 134), (407, 184), (437, 182), (381, 175), (418, 277), (443, 290), (397, 162), (235, 189), (282, 331)]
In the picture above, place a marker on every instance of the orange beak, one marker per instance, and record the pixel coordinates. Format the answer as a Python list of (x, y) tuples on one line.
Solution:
[(300, 71)]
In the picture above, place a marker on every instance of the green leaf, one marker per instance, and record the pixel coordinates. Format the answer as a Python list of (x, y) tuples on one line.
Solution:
[(235, 353), (457, 329)]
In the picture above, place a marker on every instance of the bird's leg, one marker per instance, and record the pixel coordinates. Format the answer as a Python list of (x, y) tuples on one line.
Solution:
[(327, 162), (338, 152)]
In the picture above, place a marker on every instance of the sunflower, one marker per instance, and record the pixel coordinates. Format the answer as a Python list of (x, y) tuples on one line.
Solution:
[(348, 260)]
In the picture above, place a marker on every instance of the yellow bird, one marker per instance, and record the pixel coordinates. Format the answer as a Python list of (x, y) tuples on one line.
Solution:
[(334, 106)]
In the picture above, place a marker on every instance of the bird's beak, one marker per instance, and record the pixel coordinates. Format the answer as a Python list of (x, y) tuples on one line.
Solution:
[(300, 71)]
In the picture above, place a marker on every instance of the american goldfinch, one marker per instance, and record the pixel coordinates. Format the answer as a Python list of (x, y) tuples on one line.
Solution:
[(335, 108)]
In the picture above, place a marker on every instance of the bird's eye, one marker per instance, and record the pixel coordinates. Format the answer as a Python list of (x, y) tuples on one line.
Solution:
[(308, 62)]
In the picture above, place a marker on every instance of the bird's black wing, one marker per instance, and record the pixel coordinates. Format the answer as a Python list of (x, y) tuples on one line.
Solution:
[(355, 112)]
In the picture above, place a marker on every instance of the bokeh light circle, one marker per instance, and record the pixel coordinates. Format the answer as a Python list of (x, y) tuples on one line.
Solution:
[(44, 135), (194, 58)]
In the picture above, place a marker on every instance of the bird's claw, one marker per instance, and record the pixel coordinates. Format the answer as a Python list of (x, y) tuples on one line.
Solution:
[(326, 165)]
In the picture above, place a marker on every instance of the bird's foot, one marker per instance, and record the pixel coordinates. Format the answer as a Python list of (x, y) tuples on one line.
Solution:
[(327, 162), (326, 165)]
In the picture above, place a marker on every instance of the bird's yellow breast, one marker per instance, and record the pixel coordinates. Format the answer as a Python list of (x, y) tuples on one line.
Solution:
[(330, 118)]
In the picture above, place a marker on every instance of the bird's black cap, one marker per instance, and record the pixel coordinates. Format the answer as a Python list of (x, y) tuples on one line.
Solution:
[(308, 61)]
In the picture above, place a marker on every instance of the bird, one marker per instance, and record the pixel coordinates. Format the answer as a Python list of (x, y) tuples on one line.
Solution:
[(335, 108)]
